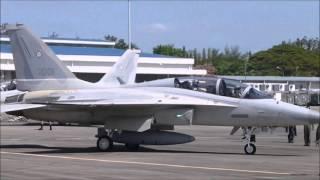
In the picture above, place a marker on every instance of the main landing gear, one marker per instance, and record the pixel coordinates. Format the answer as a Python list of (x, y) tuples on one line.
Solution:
[(250, 139), (104, 142)]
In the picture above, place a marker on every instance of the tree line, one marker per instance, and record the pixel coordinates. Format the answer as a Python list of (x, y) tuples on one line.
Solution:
[(300, 57), (289, 58)]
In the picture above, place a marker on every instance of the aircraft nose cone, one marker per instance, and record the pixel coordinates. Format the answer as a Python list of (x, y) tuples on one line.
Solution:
[(314, 116)]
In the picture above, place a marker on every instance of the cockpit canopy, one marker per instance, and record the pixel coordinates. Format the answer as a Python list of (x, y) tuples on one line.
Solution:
[(209, 85), (220, 86)]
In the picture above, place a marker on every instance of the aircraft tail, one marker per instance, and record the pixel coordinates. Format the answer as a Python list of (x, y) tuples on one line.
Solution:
[(123, 71), (37, 67)]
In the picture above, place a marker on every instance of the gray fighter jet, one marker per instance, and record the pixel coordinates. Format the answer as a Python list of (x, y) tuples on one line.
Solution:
[(131, 114)]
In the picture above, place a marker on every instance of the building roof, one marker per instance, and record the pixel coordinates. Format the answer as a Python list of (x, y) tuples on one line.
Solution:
[(70, 41), (84, 50), (273, 78)]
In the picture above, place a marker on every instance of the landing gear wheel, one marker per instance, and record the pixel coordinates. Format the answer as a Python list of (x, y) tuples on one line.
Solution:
[(132, 147), (104, 144), (250, 149)]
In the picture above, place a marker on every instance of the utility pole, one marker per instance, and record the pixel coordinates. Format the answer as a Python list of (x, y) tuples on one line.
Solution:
[(129, 24)]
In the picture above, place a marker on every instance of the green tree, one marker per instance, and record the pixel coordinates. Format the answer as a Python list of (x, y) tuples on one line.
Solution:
[(300, 57), (194, 55), (169, 50), (110, 38), (204, 57), (120, 43), (285, 59)]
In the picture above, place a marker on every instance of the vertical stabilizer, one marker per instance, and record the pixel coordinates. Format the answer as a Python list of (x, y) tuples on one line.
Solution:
[(37, 67), (123, 71)]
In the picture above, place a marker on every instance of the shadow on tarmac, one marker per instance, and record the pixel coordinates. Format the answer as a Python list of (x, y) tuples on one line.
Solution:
[(116, 148)]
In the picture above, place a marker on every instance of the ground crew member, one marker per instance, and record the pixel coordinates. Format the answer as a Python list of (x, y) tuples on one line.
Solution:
[(306, 135), (41, 126), (291, 134), (318, 135)]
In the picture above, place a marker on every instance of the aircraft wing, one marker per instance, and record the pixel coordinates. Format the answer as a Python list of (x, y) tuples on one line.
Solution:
[(134, 114), (17, 107), (147, 102), (138, 114)]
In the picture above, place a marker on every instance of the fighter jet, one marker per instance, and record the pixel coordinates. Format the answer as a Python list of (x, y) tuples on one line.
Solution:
[(131, 115)]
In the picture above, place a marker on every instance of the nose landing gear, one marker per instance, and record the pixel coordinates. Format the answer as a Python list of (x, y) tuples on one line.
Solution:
[(250, 139), (250, 148)]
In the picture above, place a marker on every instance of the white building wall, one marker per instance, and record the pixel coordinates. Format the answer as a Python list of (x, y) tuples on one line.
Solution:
[(102, 64)]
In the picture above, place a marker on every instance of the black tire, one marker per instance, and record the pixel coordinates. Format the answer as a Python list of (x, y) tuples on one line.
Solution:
[(104, 144), (250, 149), (132, 147)]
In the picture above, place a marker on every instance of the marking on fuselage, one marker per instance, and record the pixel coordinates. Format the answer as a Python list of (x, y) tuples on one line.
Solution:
[(149, 164), (239, 115)]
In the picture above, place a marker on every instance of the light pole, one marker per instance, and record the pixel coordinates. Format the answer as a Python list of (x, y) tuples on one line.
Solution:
[(129, 24)]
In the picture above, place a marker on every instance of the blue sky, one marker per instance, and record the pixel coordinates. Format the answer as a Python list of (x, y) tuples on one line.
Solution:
[(252, 25)]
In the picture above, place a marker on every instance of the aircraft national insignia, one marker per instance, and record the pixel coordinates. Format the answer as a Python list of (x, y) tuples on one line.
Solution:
[(39, 54)]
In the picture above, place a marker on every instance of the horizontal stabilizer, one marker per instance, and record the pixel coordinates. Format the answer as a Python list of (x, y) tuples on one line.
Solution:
[(18, 107), (10, 94)]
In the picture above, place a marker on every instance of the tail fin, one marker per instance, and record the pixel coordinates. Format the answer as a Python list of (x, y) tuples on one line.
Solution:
[(37, 67), (123, 71)]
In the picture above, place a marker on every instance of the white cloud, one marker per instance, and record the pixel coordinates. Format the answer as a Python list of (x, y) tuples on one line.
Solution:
[(157, 27)]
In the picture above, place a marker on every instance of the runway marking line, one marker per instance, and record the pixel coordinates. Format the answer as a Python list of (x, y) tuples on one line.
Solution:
[(148, 164)]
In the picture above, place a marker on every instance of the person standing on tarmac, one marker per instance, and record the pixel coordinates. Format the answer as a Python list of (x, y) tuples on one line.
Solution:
[(318, 135), (50, 125), (42, 123), (41, 126), (291, 134), (306, 133)]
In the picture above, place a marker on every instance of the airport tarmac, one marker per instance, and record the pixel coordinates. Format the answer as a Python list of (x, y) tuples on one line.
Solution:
[(69, 152)]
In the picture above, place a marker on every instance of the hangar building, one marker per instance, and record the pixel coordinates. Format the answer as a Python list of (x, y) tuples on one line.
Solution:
[(90, 59)]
